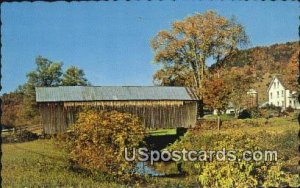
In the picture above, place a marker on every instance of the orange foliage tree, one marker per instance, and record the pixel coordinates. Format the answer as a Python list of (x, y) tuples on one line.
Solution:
[(292, 72), (11, 106), (239, 83), (185, 49), (216, 95)]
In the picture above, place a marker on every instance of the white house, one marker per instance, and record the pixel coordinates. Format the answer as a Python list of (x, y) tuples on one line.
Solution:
[(281, 95)]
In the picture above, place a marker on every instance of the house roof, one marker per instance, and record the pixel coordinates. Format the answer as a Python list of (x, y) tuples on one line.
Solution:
[(113, 93), (281, 80), (264, 104), (252, 91)]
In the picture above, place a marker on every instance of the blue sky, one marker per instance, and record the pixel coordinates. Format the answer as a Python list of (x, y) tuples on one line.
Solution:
[(110, 40)]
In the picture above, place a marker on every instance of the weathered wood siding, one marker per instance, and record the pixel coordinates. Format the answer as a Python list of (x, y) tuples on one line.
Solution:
[(154, 114)]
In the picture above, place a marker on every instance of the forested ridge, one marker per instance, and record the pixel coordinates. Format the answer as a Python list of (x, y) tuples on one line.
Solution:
[(278, 53), (267, 61)]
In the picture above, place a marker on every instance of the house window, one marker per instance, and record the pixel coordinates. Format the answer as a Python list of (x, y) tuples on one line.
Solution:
[(277, 103), (277, 94), (274, 84), (271, 95), (282, 93)]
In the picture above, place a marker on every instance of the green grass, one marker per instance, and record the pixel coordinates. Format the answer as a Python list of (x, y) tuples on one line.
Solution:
[(223, 117), (161, 132), (41, 164)]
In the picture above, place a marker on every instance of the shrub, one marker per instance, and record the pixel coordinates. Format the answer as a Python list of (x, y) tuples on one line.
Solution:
[(289, 109), (20, 136), (25, 135), (270, 111), (245, 114), (239, 123), (239, 173), (98, 139), (213, 173), (250, 113)]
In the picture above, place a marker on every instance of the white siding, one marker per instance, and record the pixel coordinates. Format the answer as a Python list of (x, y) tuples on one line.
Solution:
[(281, 97), (277, 94)]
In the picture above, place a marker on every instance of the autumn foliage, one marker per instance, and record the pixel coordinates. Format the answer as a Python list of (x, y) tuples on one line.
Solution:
[(11, 109), (216, 93), (292, 72), (185, 49), (98, 139)]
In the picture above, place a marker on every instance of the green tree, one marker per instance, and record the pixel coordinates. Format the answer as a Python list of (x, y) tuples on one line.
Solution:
[(194, 40), (46, 74), (74, 77)]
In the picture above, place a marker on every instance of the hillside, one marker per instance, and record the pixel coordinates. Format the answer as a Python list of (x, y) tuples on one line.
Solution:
[(279, 53), (265, 62)]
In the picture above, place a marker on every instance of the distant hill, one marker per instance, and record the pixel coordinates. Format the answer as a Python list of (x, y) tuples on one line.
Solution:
[(265, 61), (279, 53)]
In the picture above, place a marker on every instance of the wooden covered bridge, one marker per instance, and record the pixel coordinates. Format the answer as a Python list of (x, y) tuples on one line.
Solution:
[(156, 106)]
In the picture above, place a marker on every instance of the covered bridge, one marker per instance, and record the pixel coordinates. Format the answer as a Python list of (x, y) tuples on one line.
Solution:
[(156, 106)]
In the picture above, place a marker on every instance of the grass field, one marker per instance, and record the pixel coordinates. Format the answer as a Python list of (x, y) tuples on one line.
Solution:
[(161, 132), (41, 163), (223, 117)]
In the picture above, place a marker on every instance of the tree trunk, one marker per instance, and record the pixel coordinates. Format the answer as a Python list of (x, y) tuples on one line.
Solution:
[(236, 113), (200, 110), (198, 70)]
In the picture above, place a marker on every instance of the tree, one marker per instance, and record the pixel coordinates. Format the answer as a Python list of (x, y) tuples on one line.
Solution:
[(74, 77), (11, 105), (46, 74), (194, 40), (292, 72), (239, 83), (173, 76), (261, 61), (216, 94)]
